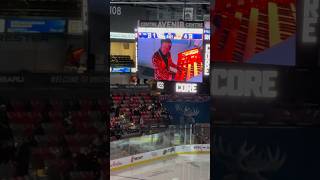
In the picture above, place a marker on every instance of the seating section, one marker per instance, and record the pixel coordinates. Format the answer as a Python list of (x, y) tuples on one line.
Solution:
[(121, 61), (59, 138), (132, 112)]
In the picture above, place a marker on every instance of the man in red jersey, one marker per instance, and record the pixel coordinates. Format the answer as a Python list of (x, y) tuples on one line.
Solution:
[(164, 68)]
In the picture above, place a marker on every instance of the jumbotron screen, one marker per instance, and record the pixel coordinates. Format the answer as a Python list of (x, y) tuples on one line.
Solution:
[(257, 32), (170, 54)]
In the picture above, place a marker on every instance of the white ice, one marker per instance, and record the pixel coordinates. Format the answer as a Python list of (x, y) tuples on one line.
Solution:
[(182, 167)]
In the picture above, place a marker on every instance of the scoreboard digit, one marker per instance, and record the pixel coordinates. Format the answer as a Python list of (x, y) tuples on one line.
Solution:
[(152, 35), (191, 36), (170, 35), (148, 35), (187, 36)]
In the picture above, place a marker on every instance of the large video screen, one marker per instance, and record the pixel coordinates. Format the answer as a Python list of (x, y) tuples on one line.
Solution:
[(170, 54), (257, 32)]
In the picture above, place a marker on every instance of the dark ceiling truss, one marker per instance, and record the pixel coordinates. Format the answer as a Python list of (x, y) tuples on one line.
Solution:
[(50, 8), (173, 5), (177, 2)]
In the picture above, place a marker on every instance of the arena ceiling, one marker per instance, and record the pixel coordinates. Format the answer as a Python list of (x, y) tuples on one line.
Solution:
[(162, 2), (50, 8), (73, 8)]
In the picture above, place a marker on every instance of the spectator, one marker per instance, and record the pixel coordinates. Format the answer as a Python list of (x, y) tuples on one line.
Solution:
[(22, 158)]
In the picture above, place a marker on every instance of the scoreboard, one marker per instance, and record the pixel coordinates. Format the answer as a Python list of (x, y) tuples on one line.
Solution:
[(187, 52), (178, 34)]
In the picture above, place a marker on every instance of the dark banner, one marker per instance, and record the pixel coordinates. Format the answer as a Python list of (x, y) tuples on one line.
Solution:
[(131, 87), (266, 153), (183, 112), (308, 33), (43, 80), (254, 82), (124, 18), (260, 82)]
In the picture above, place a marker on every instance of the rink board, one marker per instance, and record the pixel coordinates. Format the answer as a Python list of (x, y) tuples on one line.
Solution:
[(142, 158)]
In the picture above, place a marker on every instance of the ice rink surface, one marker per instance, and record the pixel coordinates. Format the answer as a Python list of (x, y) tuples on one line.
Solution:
[(182, 167)]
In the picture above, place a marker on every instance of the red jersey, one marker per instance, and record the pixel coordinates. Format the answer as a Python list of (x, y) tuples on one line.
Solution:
[(161, 69)]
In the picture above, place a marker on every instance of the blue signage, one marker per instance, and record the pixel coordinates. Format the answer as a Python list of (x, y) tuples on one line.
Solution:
[(36, 25), (148, 35), (121, 70), (170, 35), (191, 36)]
